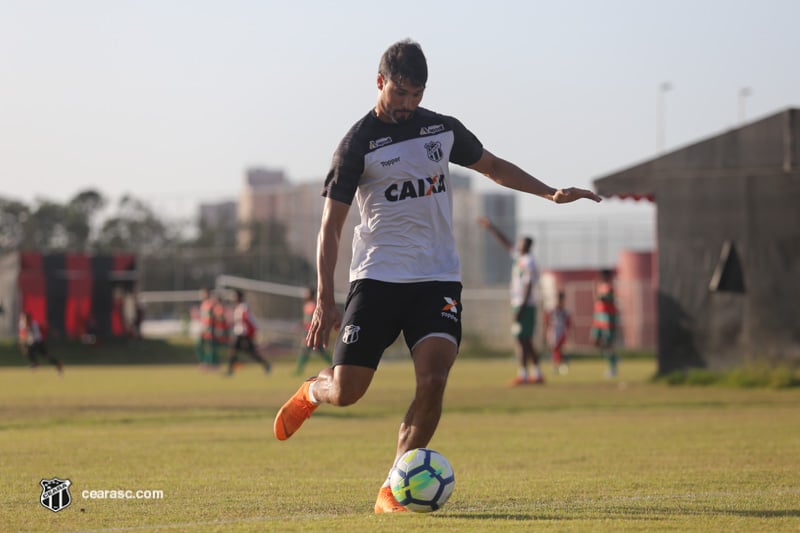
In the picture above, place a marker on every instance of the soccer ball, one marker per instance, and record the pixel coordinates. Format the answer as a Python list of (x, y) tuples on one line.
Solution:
[(422, 480)]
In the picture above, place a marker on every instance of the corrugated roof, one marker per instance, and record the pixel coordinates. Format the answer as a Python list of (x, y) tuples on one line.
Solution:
[(766, 146)]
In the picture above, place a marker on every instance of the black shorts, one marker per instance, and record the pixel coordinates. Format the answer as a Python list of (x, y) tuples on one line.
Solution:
[(376, 312), (243, 342), (37, 348)]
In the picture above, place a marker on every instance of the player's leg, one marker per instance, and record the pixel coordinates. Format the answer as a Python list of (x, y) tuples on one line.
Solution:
[(432, 330), (341, 385), (526, 353), (214, 354), (531, 355), (519, 348), (30, 352), (40, 346), (532, 361), (522, 362), (200, 350), (233, 356), (610, 354), (559, 365), (355, 358), (250, 347), (433, 359)]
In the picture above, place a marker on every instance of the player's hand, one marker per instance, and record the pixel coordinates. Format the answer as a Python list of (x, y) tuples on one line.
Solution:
[(484, 222), (565, 196), (326, 317)]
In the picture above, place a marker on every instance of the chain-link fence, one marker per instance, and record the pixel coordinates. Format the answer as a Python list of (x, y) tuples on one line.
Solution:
[(574, 244)]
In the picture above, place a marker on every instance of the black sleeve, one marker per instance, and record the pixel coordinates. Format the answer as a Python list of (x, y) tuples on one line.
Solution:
[(346, 169), (467, 149)]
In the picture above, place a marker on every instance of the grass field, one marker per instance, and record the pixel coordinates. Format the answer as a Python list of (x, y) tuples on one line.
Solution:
[(579, 454)]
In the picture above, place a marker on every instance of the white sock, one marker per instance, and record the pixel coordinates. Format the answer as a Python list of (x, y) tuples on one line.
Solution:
[(389, 476), (311, 397)]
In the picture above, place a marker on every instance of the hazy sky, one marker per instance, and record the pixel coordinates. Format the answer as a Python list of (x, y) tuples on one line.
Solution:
[(171, 100)]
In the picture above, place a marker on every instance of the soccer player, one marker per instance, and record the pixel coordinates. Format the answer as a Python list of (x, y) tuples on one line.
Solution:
[(604, 320), (524, 276), (219, 327), (205, 342), (244, 331), (557, 323), (405, 272), (309, 304), (31, 341)]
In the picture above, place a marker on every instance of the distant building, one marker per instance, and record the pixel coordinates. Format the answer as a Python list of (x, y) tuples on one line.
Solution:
[(260, 177), (258, 201), (220, 214)]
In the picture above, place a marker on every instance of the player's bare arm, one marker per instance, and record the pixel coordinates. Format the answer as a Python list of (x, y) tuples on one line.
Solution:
[(495, 231), (326, 315), (510, 175)]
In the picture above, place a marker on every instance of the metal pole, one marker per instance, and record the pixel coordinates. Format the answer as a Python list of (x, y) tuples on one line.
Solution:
[(744, 92), (661, 120)]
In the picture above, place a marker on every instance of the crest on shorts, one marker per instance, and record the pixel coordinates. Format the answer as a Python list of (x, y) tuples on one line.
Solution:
[(350, 334), (435, 152), (55, 494)]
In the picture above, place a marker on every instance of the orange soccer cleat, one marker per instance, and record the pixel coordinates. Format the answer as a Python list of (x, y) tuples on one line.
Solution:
[(387, 503), (294, 412)]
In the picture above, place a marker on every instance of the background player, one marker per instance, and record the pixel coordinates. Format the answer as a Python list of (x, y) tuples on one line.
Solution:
[(524, 277), (244, 333), (31, 341), (309, 305)]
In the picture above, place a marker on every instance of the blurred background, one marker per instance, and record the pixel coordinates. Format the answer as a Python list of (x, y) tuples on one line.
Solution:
[(148, 149)]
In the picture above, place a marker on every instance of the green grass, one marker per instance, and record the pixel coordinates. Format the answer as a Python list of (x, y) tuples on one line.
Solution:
[(747, 376), (581, 453)]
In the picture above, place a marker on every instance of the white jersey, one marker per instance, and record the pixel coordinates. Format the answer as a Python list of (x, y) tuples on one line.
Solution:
[(243, 322), (31, 332), (559, 322), (399, 176), (523, 272)]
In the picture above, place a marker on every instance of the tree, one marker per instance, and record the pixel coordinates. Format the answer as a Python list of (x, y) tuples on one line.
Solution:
[(13, 218), (44, 229), (50, 225), (78, 218), (137, 228), (276, 259)]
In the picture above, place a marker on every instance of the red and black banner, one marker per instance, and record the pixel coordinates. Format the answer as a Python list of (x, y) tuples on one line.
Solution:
[(74, 294)]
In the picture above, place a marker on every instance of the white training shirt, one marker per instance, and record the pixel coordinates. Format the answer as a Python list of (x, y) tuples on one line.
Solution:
[(523, 271), (399, 176)]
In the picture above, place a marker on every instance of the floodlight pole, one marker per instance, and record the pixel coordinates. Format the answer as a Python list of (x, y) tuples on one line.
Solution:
[(660, 119), (744, 92)]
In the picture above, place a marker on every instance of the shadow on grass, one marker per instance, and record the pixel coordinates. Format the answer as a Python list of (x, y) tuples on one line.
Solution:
[(746, 377), (107, 352)]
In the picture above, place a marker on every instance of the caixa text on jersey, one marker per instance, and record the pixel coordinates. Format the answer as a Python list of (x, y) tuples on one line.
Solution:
[(415, 188)]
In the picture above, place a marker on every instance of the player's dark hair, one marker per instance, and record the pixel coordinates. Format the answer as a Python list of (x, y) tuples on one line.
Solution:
[(404, 61)]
